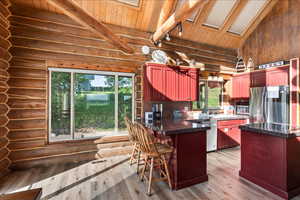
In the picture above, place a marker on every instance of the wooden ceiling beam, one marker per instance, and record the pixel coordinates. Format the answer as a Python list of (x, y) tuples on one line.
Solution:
[(178, 16), (165, 12), (233, 15), (81, 16), (267, 9), (205, 12)]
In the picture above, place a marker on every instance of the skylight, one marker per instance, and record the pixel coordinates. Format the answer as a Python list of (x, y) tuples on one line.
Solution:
[(219, 13), (247, 15)]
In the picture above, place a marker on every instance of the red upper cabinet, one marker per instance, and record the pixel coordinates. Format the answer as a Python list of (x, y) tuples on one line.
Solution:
[(194, 80), (153, 79), (241, 83), (165, 83), (241, 86), (278, 76), (270, 77), (258, 78), (171, 84)]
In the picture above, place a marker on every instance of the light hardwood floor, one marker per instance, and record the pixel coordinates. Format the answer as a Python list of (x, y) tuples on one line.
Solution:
[(113, 179)]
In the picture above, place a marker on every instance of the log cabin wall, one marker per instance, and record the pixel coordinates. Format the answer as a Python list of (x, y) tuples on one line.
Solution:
[(42, 39), (277, 37), (5, 57)]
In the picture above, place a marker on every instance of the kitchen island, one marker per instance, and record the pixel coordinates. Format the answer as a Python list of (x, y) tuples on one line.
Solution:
[(270, 157), (188, 163)]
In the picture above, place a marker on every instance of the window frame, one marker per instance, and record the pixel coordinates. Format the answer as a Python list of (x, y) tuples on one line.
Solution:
[(72, 116), (206, 94)]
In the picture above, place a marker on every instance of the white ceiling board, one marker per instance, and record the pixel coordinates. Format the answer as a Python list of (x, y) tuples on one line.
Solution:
[(247, 15), (219, 13)]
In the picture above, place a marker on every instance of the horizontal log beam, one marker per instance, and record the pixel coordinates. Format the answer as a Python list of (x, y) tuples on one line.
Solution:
[(48, 55), (75, 49), (27, 135), (26, 103), (27, 124), (84, 66), (29, 73), (23, 145), (75, 12)]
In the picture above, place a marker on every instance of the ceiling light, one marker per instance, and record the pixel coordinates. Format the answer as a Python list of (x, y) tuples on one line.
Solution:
[(159, 43), (180, 29), (168, 37)]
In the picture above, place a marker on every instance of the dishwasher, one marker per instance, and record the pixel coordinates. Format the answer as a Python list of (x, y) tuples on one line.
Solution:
[(212, 136)]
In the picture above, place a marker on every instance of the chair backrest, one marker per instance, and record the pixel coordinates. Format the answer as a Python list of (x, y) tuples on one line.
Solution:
[(146, 140), (131, 131)]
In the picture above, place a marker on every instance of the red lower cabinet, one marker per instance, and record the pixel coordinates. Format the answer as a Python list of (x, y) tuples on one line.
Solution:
[(229, 134)]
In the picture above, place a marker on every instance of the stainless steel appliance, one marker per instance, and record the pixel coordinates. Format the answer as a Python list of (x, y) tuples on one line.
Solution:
[(242, 109), (149, 117), (157, 110), (212, 135), (269, 104)]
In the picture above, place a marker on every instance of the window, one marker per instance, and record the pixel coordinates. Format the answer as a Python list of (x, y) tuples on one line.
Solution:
[(88, 104), (210, 95)]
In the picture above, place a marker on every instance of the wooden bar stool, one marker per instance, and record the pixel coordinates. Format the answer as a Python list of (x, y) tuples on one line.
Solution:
[(136, 152), (154, 157)]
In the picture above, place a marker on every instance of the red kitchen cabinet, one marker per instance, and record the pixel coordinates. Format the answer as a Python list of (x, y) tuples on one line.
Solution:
[(155, 85), (229, 134), (194, 80), (278, 76), (270, 77), (258, 78), (166, 83), (241, 86), (171, 84)]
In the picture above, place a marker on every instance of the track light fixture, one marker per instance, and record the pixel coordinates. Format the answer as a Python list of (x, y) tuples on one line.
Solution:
[(168, 37), (158, 43), (180, 29)]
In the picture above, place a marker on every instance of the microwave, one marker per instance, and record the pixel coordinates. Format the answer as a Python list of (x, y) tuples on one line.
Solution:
[(242, 109)]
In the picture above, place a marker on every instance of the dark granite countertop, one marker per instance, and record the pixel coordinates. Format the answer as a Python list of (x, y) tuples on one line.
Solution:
[(278, 130), (177, 126)]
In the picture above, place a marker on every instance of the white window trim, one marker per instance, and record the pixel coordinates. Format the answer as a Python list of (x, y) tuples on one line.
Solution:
[(72, 72), (206, 94)]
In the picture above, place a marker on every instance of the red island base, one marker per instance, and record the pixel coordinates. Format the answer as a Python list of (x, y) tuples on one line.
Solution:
[(188, 163), (271, 162)]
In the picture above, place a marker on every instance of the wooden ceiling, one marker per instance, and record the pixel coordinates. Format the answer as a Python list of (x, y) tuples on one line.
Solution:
[(149, 14)]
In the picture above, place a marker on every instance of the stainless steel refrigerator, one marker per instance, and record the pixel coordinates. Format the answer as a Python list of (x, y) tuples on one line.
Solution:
[(269, 104)]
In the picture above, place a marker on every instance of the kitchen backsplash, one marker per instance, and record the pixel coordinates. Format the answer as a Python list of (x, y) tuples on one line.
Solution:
[(169, 107)]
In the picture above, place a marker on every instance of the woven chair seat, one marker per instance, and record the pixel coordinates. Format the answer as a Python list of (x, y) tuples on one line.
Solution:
[(164, 148)]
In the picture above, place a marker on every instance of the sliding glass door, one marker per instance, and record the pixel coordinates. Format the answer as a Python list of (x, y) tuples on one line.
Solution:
[(88, 104), (125, 106), (60, 106)]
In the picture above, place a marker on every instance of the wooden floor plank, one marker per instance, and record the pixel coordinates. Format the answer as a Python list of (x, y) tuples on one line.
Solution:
[(113, 178)]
